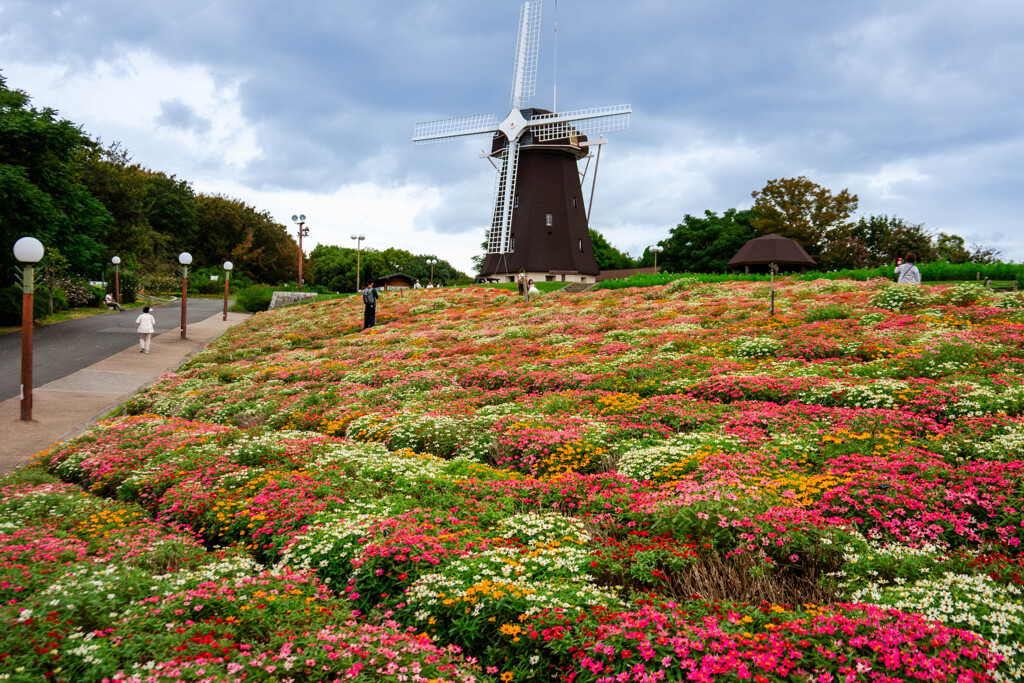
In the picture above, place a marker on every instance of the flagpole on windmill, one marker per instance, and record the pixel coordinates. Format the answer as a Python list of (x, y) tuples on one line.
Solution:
[(554, 93)]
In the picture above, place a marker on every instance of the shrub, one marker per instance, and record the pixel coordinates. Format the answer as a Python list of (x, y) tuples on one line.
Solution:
[(255, 298), (130, 282), (79, 293), (827, 312)]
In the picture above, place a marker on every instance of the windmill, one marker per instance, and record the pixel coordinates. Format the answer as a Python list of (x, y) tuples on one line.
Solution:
[(538, 223)]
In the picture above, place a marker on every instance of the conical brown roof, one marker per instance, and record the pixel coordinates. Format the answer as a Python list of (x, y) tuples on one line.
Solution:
[(771, 249)]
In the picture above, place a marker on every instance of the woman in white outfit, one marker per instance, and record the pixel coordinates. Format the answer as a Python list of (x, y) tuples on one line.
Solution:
[(907, 273), (146, 323)]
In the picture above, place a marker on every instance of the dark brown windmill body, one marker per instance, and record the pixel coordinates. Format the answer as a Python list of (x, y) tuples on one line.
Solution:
[(550, 237), (539, 223)]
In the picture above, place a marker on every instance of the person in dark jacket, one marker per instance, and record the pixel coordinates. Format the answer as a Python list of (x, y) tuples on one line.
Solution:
[(370, 306)]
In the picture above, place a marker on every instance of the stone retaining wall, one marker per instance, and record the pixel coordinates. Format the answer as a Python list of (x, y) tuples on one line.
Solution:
[(284, 298)]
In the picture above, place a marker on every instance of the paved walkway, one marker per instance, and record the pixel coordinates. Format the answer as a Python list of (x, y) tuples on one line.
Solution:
[(66, 407)]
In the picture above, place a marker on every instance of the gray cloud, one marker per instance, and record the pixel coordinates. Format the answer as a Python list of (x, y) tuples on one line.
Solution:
[(176, 114), (727, 95)]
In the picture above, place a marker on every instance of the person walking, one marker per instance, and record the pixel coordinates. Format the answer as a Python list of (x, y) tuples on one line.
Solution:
[(147, 325), (907, 273), (369, 306)]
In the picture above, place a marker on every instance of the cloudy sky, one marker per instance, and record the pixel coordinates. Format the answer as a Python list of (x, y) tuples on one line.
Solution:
[(309, 106)]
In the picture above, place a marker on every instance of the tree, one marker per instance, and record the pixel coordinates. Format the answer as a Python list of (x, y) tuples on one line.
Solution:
[(889, 238), (705, 245), (801, 210), (122, 187), (983, 255), (40, 192), (266, 251), (607, 256), (951, 248)]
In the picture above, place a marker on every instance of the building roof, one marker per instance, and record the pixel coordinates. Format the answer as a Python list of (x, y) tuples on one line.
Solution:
[(771, 249)]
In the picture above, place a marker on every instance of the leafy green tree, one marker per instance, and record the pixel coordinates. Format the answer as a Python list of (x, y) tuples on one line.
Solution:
[(984, 255), (842, 250), (801, 210), (40, 193), (171, 211), (607, 256), (705, 245), (951, 248), (265, 251), (891, 237), (122, 188), (333, 268)]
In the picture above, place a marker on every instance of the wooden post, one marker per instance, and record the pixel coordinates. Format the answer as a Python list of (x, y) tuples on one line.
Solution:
[(184, 298), (27, 304)]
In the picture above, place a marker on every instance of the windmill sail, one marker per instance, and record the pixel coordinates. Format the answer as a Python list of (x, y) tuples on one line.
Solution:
[(524, 74), (556, 126), (447, 129), (499, 237)]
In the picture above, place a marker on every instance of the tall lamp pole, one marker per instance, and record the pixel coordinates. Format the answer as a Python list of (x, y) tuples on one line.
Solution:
[(117, 279), (431, 262), (228, 265), (300, 220), (184, 258), (656, 250), (29, 251), (359, 239)]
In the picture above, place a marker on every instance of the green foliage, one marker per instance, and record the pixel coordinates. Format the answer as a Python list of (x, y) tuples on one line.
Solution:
[(801, 210), (255, 298), (40, 194), (607, 256), (334, 268), (930, 272), (828, 312), (705, 245)]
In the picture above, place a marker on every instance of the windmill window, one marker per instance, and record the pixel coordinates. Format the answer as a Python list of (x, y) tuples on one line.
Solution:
[(512, 244), (581, 246), (549, 220), (574, 203), (515, 204)]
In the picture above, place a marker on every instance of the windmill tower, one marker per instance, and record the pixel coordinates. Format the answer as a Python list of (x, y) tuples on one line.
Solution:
[(539, 223)]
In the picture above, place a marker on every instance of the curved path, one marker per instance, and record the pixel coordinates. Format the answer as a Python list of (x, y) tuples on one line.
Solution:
[(85, 368)]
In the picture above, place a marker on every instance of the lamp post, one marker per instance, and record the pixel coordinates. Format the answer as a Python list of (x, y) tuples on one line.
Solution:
[(184, 258), (772, 269), (117, 279), (359, 239), (656, 250), (431, 262), (29, 251), (300, 220), (228, 265)]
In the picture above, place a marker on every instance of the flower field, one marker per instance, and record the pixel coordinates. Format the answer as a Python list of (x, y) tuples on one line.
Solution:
[(626, 485)]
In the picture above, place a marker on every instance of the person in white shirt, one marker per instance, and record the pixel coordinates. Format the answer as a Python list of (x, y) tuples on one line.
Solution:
[(907, 273), (147, 325), (111, 302)]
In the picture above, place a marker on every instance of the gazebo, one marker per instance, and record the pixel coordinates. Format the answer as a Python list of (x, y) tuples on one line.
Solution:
[(772, 251), (764, 251), (394, 281)]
